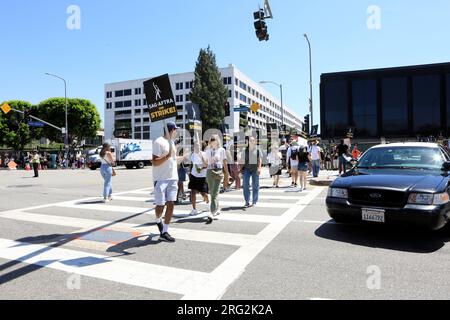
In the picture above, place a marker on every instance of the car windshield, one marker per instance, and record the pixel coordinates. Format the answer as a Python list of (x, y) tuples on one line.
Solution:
[(402, 158)]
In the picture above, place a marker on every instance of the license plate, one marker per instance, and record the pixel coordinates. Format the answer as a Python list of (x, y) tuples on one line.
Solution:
[(373, 215)]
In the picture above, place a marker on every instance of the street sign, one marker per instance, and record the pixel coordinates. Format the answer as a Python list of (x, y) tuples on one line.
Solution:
[(255, 107), (314, 130), (160, 100), (6, 108), (242, 109), (63, 130), (36, 124)]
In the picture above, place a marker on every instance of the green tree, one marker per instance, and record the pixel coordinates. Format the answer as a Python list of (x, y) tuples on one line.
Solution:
[(83, 119), (209, 92), (14, 130)]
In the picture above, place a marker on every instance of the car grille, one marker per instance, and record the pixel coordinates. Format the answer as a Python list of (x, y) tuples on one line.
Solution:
[(377, 198)]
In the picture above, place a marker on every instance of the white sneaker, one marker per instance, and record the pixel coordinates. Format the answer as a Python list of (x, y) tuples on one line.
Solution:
[(194, 212), (105, 200), (216, 214)]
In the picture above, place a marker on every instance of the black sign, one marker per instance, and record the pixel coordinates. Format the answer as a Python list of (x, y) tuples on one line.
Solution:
[(160, 98), (193, 112)]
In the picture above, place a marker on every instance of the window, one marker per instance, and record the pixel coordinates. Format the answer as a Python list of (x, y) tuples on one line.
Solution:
[(109, 105), (242, 85), (189, 85), (146, 128), (364, 93), (144, 102), (137, 91), (146, 136), (179, 86), (236, 81), (119, 104), (137, 136), (137, 121), (394, 105), (138, 111), (188, 97), (127, 104), (243, 98), (227, 81), (448, 100), (179, 98), (236, 95), (137, 129), (108, 94), (118, 93), (137, 102), (426, 105), (127, 92), (336, 106), (230, 93)]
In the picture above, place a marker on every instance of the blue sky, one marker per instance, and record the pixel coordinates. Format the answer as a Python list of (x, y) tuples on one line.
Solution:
[(123, 40)]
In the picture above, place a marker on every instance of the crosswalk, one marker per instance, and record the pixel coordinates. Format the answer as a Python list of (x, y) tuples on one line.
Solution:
[(130, 216)]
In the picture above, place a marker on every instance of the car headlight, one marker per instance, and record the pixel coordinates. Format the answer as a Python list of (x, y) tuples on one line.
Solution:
[(338, 193), (429, 199)]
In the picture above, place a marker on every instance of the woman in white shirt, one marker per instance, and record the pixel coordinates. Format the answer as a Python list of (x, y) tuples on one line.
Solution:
[(197, 178), (217, 165), (274, 158), (106, 171)]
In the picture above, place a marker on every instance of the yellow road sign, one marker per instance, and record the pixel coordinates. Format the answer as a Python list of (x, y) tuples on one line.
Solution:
[(6, 108), (255, 107)]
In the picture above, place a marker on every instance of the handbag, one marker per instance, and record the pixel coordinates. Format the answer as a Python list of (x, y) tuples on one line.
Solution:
[(217, 174), (113, 171)]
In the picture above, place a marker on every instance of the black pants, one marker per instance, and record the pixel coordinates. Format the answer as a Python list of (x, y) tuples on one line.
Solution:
[(36, 169)]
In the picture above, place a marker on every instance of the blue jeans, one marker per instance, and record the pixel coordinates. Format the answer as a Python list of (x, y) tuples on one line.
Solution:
[(255, 184), (342, 164), (106, 171), (316, 168)]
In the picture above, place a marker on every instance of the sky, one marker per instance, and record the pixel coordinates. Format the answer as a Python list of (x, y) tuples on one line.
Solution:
[(125, 40)]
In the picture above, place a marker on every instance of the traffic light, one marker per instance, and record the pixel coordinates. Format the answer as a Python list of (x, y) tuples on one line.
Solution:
[(306, 124), (260, 25), (227, 109)]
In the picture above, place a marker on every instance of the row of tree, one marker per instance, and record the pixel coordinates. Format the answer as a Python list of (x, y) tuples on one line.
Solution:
[(15, 131)]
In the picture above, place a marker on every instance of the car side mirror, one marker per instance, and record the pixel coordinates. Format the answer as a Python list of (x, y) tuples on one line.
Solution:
[(446, 166)]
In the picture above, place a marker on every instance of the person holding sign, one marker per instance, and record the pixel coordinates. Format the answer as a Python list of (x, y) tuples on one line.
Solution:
[(165, 176)]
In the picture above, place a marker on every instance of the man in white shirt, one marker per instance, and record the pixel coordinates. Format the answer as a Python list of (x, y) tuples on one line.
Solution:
[(314, 151), (165, 177)]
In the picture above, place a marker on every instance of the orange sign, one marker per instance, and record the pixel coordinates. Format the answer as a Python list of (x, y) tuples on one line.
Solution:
[(6, 108), (255, 107), (12, 165)]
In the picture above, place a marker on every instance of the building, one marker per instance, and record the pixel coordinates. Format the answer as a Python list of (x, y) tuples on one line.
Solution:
[(126, 111), (394, 103)]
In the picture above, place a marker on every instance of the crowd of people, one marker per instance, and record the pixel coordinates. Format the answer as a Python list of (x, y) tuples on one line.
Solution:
[(213, 168), (44, 160)]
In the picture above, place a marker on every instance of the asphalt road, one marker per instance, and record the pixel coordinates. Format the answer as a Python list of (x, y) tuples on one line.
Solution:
[(57, 241)]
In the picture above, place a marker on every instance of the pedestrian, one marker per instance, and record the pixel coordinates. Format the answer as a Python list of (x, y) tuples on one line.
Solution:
[(304, 157), (355, 152), (328, 165), (234, 167), (197, 178), (217, 162), (292, 155), (182, 169), (36, 161), (165, 177), (315, 153), (274, 158), (251, 169), (342, 150), (106, 170)]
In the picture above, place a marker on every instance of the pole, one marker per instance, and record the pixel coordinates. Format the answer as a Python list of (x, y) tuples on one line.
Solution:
[(310, 84), (66, 138)]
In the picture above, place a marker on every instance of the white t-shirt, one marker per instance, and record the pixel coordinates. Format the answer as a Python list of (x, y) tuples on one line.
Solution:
[(315, 152), (215, 158), (198, 163), (274, 158), (168, 170)]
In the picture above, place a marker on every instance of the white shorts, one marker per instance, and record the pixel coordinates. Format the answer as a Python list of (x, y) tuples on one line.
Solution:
[(165, 191)]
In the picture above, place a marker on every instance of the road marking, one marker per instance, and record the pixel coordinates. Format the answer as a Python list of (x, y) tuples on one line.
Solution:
[(272, 197), (232, 268), (151, 276), (232, 239), (180, 214)]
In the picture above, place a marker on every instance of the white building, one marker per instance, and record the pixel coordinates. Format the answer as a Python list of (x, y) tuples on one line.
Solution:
[(126, 106)]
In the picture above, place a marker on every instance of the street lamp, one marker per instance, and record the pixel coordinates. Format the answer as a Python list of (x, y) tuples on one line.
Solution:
[(66, 139), (281, 94), (310, 82)]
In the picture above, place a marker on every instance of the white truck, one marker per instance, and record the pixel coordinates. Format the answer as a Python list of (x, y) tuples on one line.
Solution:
[(128, 152)]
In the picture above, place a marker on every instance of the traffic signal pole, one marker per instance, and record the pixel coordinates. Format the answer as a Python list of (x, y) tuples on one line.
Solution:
[(40, 120)]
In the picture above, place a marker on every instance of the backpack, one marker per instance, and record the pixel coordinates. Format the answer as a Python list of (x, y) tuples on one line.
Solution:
[(294, 153)]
